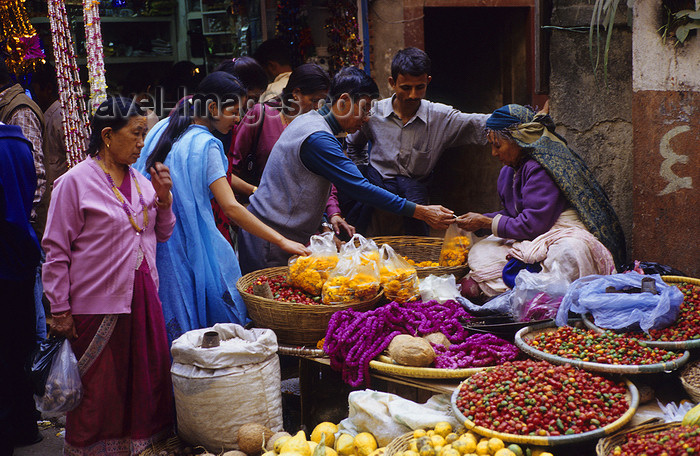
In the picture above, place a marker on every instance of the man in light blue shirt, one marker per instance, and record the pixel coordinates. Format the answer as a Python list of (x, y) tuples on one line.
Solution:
[(409, 134)]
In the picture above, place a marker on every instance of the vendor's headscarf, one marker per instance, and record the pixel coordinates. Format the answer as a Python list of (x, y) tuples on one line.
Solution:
[(535, 132)]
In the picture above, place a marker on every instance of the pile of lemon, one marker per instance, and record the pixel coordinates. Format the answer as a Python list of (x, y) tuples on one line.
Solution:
[(442, 441), (363, 444)]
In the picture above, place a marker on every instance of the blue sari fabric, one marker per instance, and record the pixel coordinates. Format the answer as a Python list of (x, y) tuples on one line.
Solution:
[(568, 171), (198, 268)]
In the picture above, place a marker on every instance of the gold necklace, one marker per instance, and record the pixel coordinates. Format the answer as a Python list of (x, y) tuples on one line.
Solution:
[(119, 196)]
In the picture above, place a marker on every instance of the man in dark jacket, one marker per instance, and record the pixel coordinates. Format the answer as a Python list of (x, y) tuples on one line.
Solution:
[(19, 257)]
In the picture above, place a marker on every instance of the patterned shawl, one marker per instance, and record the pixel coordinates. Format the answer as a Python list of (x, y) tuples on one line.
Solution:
[(535, 132)]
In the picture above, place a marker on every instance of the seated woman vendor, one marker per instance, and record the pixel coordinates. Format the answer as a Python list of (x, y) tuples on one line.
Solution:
[(555, 216)]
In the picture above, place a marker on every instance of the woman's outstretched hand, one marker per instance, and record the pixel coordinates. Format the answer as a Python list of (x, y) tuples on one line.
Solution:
[(472, 221), (436, 216), (294, 248), (162, 183)]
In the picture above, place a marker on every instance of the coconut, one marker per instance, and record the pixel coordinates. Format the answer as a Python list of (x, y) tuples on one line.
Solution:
[(438, 338), (234, 453), (411, 351), (251, 437)]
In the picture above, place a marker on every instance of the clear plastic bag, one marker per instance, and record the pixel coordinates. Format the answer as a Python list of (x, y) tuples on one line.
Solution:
[(42, 359), (399, 279), (440, 289), (354, 279), (309, 273), (64, 390), (366, 248), (455, 246), (622, 310), (537, 296)]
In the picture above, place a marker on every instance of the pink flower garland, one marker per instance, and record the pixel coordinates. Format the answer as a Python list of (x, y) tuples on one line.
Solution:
[(478, 350), (95, 54), (353, 339), (74, 115)]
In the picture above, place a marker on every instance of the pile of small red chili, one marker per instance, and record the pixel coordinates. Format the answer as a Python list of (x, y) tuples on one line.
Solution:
[(687, 325), (538, 398), (605, 348), (283, 291), (673, 441)]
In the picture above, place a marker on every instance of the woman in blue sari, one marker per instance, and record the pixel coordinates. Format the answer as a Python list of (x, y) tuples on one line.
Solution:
[(198, 267)]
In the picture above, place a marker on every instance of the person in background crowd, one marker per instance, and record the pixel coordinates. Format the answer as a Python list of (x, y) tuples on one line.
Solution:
[(304, 162), (408, 136), (258, 132), (275, 58), (198, 268), (254, 79), (549, 197), (100, 274), (19, 257), (139, 85), (16, 108), (181, 80)]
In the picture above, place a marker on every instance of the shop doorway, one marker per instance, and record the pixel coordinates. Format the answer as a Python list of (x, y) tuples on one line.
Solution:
[(481, 60)]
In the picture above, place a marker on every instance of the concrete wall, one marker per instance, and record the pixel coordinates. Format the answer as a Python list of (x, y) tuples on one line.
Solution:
[(666, 111), (595, 119), (386, 31)]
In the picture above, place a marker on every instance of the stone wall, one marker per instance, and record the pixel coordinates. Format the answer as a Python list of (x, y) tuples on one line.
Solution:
[(595, 117)]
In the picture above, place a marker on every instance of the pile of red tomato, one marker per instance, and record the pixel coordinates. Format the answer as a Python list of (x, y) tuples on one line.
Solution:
[(687, 325), (283, 291), (672, 441), (606, 348), (539, 399)]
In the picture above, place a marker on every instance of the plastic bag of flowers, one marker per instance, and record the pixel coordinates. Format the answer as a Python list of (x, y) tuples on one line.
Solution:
[(309, 273)]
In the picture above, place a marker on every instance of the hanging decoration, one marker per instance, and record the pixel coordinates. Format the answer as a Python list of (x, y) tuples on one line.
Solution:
[(95, 53), (19, 38), (344, 43), (289, 25), (75, 123)]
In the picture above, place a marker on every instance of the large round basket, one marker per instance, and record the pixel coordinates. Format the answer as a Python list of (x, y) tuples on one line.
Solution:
[(400, 443), (666, 345), (528, 333), (420, 248), (606, 446), (386, 365), (632, 399), (295, 324), (690, 378)]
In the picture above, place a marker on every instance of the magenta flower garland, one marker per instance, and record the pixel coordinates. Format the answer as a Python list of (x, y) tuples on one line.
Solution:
[(353, 339), (95, 53), (478, 350)]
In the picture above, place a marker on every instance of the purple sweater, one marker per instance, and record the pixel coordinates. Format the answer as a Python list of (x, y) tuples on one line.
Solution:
[(532, 202)]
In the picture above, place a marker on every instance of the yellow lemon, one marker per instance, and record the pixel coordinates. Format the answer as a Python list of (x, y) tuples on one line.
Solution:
[(451, 437), (279, 442), (312, 445), (461, 446), (410, 453), (413, 444), (327, 428), (430, 432), (330, 452), (427, 450), (443, 428), (364, 443), (378, 452), (515, 449), (269, 453), (437, 440), (504, 452), (297, 444), (419, 433), (437, 448), (344, 445), (469, 442), (399, 453), (482, 448), (449, 452), (495, 444)]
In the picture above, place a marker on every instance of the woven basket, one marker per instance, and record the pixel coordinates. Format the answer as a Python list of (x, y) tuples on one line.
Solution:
[(398, 444), (419, 248), (294, 324), (606, 446), (169, 445), (690, 378)]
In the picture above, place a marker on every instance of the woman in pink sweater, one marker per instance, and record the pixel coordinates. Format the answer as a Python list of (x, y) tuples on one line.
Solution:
[(103, 225)]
